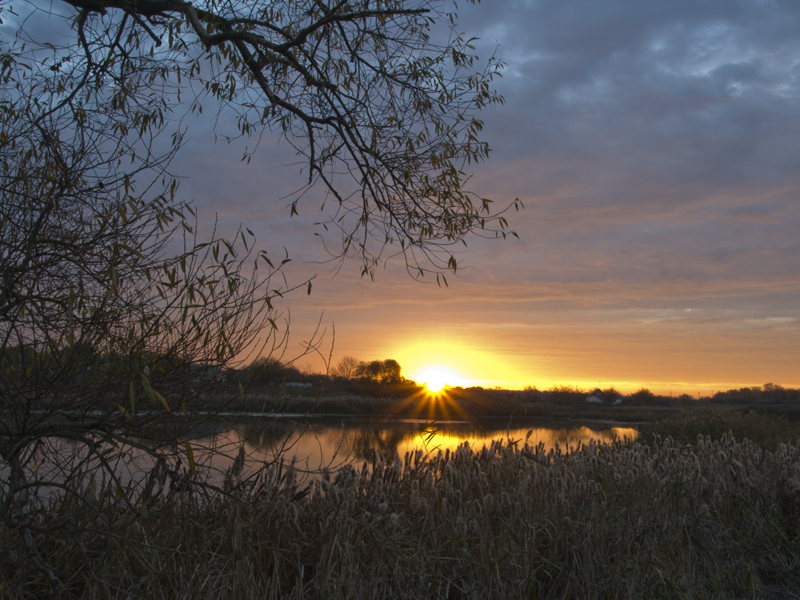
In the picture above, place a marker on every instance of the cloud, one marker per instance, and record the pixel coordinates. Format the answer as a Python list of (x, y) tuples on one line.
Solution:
[(655, 146)]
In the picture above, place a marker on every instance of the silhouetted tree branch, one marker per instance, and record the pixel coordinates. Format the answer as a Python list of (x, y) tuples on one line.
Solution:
[(114, 315), (384, 116)]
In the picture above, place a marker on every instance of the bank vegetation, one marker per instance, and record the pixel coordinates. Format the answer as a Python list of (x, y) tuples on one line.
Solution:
[(707, 519)]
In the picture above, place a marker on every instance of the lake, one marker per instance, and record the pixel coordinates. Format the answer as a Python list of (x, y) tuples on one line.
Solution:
[(326, 443), (310, 446)]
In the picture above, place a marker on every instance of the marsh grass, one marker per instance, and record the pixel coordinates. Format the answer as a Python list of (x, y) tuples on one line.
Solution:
[(297, 402), (767, 429), (709, 520)]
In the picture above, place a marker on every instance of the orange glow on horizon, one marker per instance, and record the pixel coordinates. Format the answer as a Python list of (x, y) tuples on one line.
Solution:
[(459, 357), (439, 361)]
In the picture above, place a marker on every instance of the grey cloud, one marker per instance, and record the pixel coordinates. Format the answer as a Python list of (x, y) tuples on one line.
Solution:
[(588, 75), (656, 146), (737, 73), (752, 212)]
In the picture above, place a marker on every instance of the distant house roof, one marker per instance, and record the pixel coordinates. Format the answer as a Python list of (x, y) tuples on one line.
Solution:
[(596, 397)]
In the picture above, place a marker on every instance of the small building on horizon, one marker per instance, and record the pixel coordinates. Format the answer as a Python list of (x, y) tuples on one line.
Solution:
[(596, 397), (599, 397)]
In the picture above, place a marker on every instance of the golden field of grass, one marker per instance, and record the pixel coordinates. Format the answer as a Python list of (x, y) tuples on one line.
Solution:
[(711, 519)]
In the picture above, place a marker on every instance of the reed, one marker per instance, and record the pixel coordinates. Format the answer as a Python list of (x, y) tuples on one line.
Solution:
[(714, 519), (768, 430)]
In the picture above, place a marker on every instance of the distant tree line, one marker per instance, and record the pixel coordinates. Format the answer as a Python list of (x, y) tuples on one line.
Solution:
[(268, 370), (272, 371), (383, 378), (769, 393), (386, 371)]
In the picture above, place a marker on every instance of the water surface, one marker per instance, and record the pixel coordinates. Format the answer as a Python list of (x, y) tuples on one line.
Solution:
[(311, 445), (307, 447)]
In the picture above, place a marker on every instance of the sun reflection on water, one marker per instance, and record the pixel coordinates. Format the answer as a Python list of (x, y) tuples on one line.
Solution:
[(566, 438)]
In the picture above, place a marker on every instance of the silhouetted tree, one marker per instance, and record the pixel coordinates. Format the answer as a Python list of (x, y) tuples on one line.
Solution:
[(347, 368), (269, 370), (110, 305), (644, 396), (380, 371), (391, 372), (113, 315)]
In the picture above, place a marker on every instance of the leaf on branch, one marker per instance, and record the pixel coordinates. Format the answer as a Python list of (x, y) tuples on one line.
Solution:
[(190, 457), (133, 399), (154, 395)]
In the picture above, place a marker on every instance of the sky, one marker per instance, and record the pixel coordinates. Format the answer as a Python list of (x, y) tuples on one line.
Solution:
[(655, 146)]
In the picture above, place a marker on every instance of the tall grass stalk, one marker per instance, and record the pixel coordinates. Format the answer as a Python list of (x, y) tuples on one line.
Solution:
[(708, 520), (767, 430)]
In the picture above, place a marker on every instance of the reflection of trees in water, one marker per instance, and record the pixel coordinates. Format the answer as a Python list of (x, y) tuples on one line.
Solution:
[(571, 437), (311, 446), (308, 445), (206, 429), (384, 441), (332, 440), (394, 437), (270, 434), (265, 442)]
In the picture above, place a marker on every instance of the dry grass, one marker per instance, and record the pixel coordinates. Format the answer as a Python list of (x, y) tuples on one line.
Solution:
[(298, 402), (767, 430), (711, 520)]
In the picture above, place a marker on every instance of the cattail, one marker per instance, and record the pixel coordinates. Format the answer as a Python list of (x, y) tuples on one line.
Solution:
[(460, 524), (238, 463)]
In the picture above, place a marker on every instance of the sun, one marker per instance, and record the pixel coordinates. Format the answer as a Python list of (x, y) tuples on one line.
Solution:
[(436, 379), (439, 396)]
